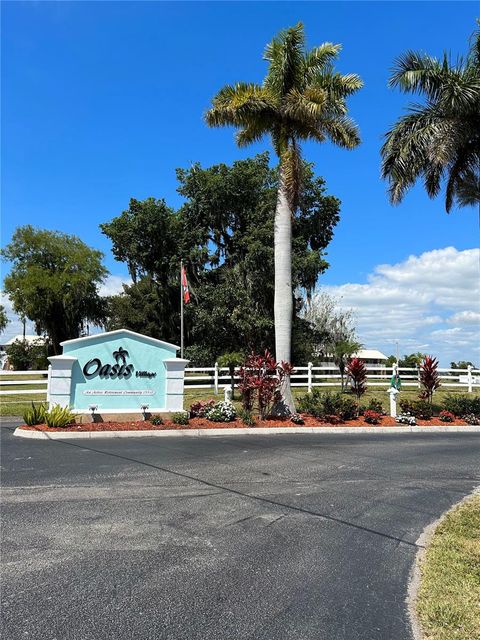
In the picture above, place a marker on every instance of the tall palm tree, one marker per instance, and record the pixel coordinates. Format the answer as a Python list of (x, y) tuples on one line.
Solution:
[(438, 141), (301, 98)]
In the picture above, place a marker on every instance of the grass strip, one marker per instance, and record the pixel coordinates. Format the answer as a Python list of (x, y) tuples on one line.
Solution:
[(448, 600)]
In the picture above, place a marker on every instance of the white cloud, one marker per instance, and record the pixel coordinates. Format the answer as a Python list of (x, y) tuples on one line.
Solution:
[(428, 303), (113, 285)]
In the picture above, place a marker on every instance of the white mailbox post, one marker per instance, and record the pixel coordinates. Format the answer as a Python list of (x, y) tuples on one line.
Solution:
[(393, 393)]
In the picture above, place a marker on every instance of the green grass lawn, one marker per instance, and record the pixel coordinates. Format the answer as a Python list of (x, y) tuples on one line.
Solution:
[(448, 602), (15, 405)]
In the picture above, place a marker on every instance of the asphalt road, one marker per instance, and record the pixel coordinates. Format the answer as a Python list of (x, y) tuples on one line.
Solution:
[(234, 538)]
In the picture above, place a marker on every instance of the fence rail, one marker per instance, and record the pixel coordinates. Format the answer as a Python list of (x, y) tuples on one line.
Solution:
[(216, 377)]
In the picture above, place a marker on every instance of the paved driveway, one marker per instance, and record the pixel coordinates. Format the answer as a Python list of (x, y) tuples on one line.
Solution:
[(248, 537)]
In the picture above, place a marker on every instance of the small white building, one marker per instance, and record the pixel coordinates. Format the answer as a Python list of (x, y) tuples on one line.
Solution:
[(371, 356), (31, 339)]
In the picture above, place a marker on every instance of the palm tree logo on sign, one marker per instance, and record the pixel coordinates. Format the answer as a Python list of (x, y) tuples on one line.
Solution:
[(121, 355)]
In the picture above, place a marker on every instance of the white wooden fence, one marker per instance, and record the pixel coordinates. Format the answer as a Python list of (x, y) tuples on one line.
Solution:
[(215, 378)]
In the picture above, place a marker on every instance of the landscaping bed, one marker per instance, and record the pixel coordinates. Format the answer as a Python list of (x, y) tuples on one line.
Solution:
[(203, 423)]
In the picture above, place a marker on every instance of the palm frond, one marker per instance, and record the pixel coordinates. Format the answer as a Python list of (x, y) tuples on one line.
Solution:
[(237, 104), (286, 58), (341, 130), (318, 57)]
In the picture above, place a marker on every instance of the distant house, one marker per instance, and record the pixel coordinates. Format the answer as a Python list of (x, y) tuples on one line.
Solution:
[(371, 356), (29, 338)]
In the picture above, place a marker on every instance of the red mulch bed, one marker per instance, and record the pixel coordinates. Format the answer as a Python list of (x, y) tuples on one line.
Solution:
[(202, 423)]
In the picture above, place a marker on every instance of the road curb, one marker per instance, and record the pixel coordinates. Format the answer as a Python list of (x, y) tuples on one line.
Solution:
[(196, 433)]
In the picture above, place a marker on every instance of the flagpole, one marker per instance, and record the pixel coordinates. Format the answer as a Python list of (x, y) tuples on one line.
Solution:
[(181, 309)]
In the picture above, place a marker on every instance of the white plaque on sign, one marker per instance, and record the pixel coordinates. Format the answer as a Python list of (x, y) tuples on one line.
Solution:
[(119, 392)]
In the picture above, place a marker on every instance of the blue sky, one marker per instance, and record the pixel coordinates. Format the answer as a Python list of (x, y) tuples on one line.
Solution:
[(103, 100)]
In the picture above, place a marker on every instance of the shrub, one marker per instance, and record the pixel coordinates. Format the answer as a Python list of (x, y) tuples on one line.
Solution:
[(297, 419), (261, 378), (59, 416), (35, 415), (472, 419), (418, 408), (180, 418), (357, 372), (423, 409), (223, 411), (406, 418), (156, 420), (446, 416), (375, 405), (201, 408), (461, 404), (429, 378), (372, 417), (324, 403), (247, 417)]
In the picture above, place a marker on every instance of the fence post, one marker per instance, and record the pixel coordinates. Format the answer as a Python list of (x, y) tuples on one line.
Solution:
[(309, 383), (215, 379), (49, 375), (470, 379), (418, 376)]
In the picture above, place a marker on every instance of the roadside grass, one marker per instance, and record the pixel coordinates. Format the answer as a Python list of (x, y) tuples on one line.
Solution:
[(16, 405), (448, 601)]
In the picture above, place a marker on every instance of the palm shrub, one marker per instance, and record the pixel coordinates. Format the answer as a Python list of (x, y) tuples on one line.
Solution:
[(231, 360), (429, 378), (301, 98), (438, 141)]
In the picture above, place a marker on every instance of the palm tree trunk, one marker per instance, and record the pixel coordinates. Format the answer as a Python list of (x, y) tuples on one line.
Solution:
[(283, 304)]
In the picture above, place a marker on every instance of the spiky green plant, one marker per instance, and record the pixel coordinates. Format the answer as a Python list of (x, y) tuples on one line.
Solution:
[(301, 98), (59, 416), (438, 141), (35, 415)]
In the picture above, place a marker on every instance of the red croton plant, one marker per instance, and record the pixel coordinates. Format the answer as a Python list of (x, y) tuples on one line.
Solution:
[(261, 379), (357, 372), (429, 378)]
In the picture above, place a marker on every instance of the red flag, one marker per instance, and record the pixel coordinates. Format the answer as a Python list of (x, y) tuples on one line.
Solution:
[(186, 292)]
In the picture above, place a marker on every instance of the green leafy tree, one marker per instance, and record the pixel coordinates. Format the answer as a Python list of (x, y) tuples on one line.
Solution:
[(224, 233), (438, 141), (54, 282), (462, 364), (3, 319), (412, 360), (302, 98), (25, 356)]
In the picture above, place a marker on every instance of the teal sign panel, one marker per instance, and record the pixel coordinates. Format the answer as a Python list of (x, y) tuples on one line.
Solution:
[(118, 371)]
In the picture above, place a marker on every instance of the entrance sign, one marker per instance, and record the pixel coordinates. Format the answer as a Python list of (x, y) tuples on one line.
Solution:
[(117, 369)]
